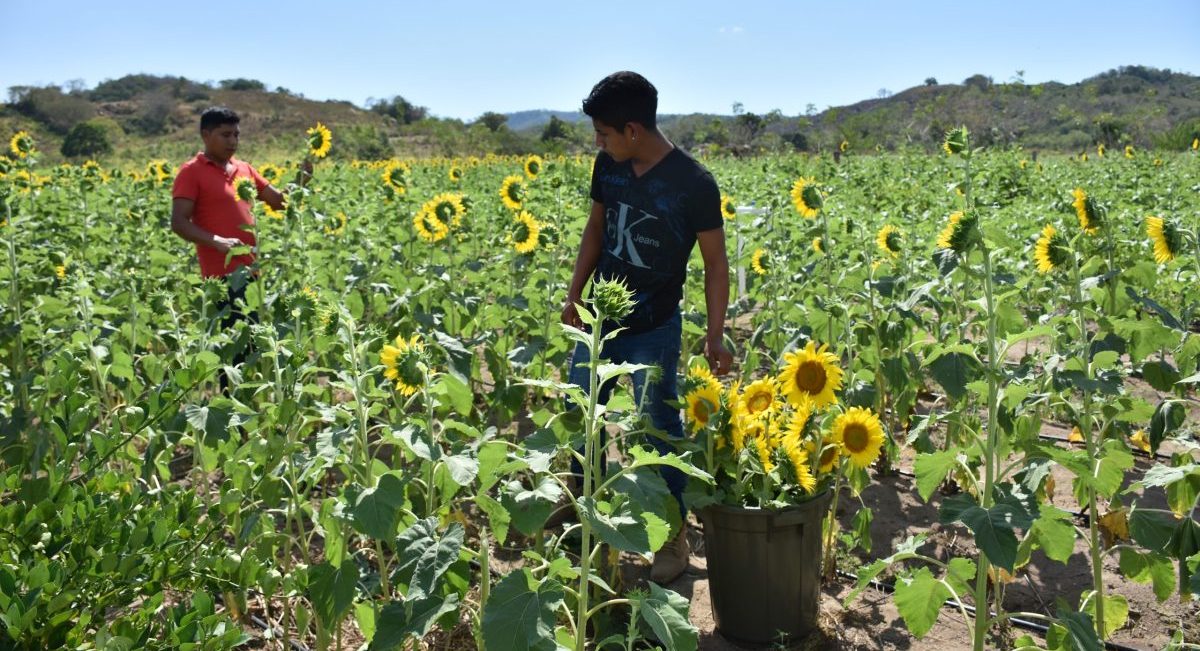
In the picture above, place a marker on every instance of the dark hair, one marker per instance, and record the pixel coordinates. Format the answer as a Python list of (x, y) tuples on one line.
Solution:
[(216, 116), (621, 98)]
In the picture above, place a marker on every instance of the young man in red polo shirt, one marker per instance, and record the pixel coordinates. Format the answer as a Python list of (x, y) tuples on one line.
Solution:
[(206, 209)]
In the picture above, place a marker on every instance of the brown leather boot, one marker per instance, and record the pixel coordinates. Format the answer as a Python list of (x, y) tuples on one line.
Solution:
[(672, 559)]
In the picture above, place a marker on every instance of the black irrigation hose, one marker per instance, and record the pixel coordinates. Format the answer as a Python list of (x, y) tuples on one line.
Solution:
[(890, 588), (296, 646)]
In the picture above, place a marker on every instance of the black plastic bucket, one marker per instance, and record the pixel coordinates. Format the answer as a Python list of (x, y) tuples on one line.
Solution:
[(764, 569)]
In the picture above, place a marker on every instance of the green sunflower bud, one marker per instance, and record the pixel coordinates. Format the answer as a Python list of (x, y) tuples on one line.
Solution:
[(612, 299)]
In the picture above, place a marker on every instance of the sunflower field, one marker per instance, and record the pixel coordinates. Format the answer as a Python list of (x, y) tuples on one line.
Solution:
[(1012, 343)]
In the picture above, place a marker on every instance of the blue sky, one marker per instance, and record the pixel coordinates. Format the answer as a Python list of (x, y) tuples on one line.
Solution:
[(465, 57)]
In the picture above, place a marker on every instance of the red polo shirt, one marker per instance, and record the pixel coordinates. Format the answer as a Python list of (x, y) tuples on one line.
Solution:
[(218, 210)]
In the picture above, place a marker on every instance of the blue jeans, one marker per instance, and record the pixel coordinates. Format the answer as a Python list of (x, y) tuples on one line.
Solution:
[(659, 348)]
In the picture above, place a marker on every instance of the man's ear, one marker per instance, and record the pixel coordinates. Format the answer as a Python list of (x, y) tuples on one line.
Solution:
[(633, 129)]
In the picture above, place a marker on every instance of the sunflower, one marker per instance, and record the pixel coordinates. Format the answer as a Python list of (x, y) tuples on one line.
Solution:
[(448, 208), (759, 399), (958, 234), (243, 188), (732, 399), (1085, 209), (728, 207), (1100, 150), (533, 166), (699, 376), (512, 192), (271, 212), (159, 169), (1051, 250), (797, 457), (1195, 144), (861, 435), (340, 228), (1166, 238), (760, 261), (831, 448), (319, 141), (702, 405), (811, 374), (888, 240), (455, 173), (429, 227), (818, 246), (402, 363), (395, 176), (806, 197), (844, 146), (272, 173), (60, 271), (799, 419), (1128, 151), (955, 141), (21, 144), (524, 233)]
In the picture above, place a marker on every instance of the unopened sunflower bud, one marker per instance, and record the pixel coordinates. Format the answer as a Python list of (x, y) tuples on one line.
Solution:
[(612, 299)]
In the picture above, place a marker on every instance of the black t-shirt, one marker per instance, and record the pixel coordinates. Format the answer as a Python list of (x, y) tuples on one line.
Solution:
[(650, 226)]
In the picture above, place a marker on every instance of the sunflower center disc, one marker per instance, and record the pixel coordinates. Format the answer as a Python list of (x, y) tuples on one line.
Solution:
[(810, 377)]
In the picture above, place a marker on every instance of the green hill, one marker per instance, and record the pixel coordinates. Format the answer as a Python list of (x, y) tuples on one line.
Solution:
[(143, 117)]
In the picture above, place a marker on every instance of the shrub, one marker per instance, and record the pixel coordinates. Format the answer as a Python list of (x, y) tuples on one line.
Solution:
[(88, 138)]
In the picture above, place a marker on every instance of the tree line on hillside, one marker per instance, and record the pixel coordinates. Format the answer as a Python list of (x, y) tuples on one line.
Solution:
[(1138, 105)]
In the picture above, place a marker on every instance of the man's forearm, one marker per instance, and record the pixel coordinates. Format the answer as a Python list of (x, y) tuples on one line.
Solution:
[(189, 231), (716, 298)]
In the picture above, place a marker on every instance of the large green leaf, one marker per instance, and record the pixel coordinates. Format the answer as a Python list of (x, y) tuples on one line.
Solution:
[(530, 507), (331, 591), (1149, 567), (520, 613), (646, 456), (400, 620), (1116, 610), (919, 598), (425, 555), (931, 470), (1151, 528), (1080, 630), (993, 528), (954, 371), (498, 516), (619, 527), (377, 509), (666, 613), (1053, 532), (1168, 418)]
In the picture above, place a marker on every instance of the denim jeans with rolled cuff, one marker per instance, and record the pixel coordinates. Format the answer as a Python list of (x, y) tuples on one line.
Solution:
[(659, 348)]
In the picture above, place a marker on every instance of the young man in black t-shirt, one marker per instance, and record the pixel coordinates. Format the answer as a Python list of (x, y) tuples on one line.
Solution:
[(651, 203)]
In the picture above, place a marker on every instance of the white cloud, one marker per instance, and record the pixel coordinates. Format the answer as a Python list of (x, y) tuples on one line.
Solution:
[(733, 29)]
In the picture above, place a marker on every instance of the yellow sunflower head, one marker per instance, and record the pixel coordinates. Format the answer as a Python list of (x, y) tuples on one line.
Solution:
[(728, 207), (340, 228), (1167, 239), (844, 146), (830, 450), (271, 212), (888, 240), (429, 227), (700, 376), (533, 166), (798, 421), (959, 233), (455, 174), (811, 374), (1100, 150), (702, 404), (1128, 151), (395, 176), (320, 139), (760, 261), (806, 197), (273, 174), (956, 141), (243, 187), (818, 246), (861, 435), (1051, 251), (1087, 211), (760, 399), (525, 232), (21, 145), (403, 362), (60, 271), (160, 170), (448, 208), (798, 464), (512, 192)]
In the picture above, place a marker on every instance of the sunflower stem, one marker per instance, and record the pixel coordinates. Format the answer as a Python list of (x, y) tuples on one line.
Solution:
[(1089, 437)]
